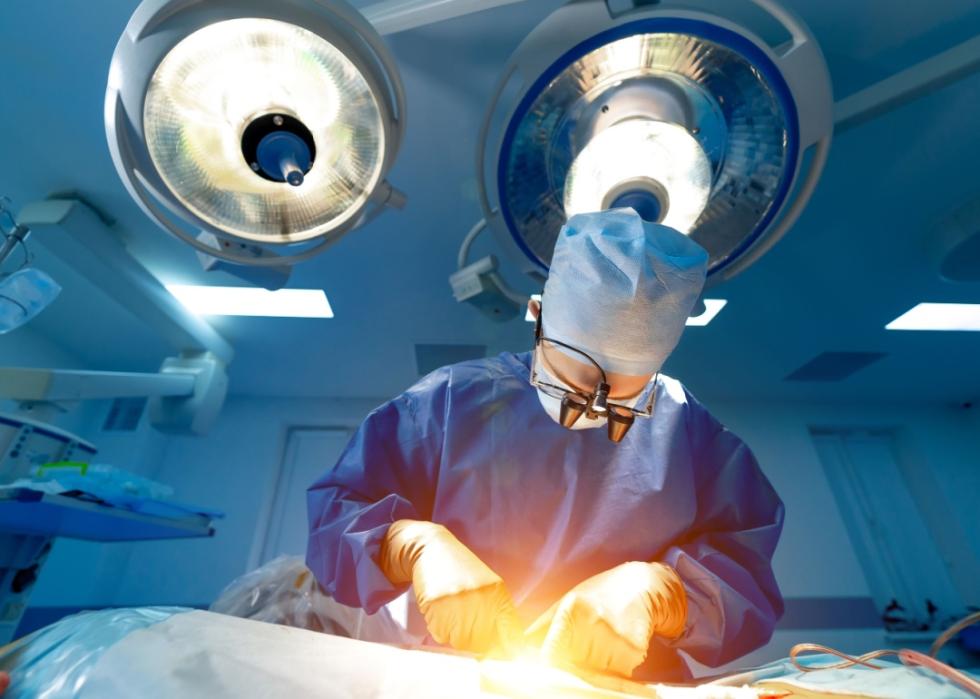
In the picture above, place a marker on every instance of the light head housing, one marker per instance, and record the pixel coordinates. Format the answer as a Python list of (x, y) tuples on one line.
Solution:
[(260, 123), (685, 116)]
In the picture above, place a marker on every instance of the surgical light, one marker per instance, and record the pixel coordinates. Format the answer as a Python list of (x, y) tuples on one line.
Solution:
[(687, 117), (939, 316), (255, 123), (248, 301)]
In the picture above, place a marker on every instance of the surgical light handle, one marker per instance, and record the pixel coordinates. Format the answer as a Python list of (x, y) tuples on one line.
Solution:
[(463, 256)]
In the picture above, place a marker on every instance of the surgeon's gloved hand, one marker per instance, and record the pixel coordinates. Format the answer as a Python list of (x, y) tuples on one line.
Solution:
[(606, 623), (465, 604)]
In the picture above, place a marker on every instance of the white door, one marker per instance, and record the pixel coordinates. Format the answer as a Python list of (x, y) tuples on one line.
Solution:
[(309, 453), (895, 546)]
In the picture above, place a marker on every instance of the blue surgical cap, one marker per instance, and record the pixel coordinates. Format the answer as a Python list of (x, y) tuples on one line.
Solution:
[(621, 289)]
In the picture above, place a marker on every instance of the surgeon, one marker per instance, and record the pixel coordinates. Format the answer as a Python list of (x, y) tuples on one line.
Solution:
[(572, 499)]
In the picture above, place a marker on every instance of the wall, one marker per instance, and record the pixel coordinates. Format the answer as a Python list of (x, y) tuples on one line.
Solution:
[(814, 555), (234, 470), (815, 558)]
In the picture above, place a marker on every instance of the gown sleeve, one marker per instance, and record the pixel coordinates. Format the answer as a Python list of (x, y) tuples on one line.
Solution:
[(725, 559), (386, 473)]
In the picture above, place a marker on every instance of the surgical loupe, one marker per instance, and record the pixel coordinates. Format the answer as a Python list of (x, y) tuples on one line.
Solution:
[(257, 123), (687, 117), (574, 404)]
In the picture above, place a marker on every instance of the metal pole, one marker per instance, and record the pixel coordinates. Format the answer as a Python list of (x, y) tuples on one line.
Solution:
[(14, 238)]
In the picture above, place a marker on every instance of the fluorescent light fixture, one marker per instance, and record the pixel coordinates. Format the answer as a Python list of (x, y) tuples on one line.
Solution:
[(249, 301), (939, 316), (712, 307)]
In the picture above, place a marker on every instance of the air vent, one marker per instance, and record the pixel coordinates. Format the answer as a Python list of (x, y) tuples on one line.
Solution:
[(124, 415), (834, 366), (428, 358)]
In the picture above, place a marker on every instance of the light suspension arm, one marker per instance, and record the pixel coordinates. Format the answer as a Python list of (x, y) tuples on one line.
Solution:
[(73, 232), (393, 16)]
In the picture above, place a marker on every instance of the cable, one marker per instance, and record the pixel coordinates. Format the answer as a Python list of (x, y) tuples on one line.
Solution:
[(952, 631), (910, 658), (515, 296), (13, 235), (464, 248), (12, 240)]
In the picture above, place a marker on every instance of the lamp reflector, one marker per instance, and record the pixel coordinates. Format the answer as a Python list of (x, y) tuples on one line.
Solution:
[(221, 78)]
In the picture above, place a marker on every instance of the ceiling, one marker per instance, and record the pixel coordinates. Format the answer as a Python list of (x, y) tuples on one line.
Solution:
[(857, 258)]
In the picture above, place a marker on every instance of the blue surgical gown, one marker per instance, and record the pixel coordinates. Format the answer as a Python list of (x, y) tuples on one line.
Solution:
[(471, 448)]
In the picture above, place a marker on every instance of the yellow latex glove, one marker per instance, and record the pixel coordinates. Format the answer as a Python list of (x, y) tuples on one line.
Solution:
[(606, 623), (465, 604)]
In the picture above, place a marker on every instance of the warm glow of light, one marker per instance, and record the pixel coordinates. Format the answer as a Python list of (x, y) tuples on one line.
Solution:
[(527, 676)]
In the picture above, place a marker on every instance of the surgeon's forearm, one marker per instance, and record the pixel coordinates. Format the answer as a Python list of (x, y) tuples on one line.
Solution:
[(730, 612), (345, 538)]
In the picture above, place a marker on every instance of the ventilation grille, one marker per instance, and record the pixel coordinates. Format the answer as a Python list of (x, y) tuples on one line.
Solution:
[(428, 358), (834, 366), (124, 415)]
